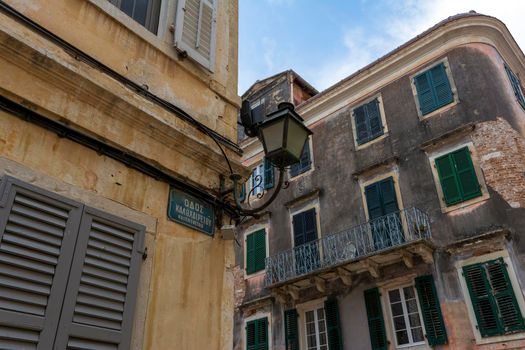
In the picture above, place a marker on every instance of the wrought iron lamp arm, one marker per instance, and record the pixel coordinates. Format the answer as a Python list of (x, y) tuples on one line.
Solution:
[(252, 212)]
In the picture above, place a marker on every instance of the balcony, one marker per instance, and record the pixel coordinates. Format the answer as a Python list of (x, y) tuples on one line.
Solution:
[(395, 237)]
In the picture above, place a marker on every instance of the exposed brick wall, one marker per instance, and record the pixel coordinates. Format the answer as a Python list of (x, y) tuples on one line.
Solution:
[(501, 150), (239, 286)]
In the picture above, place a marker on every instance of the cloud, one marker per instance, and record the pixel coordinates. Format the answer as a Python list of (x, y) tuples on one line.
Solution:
[(399, 22)]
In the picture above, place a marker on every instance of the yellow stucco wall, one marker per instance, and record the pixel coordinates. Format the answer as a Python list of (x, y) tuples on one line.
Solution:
[(185, 297)]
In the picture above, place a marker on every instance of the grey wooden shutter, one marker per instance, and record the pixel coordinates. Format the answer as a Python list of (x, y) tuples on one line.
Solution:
[(99, 304), (195, 30), (38, 230)]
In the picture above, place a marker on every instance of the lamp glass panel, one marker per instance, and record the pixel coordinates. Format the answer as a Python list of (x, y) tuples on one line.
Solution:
[(273, 135), (297, 136)]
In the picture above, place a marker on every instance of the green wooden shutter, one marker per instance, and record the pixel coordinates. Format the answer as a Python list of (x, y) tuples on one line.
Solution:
[(251, 339), (374, 119), (268, 174), (373, 201), (257, 334), (466, 175), (376, 323), (505, 300), (250, 253), (291, 330), (424, 93), (388, 196), (333, 324), (259, 242), (242, 195), (361, 125), (431, 310), (441, 86), (447, 177), (482, 300)]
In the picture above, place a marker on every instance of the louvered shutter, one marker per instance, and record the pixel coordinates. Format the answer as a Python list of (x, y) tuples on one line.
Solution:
[(516, 86), (100, 300), (268, 174), (259, 242), (333, 324), (251, 339), (262, 334), (509, 311), (373, 201), (298, 229), (291, 330), (441, 86), (250, 253), (361, 125), (374, 118), (310, 225), (376, 323), (242, 195), (431, 310), (424, 93), (388, 196), (482, 301), (466, 175), (195, 30), (38, 230), (447, 178)]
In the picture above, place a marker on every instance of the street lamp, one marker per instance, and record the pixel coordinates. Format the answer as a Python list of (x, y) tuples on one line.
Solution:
[(283, 136)]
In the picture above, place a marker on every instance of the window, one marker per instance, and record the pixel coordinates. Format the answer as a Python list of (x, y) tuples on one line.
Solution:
[(257, 334), (195, 30), (305, 232), (261, 178), (145, 12), (368, 122), (255, 251), (492, 297), (457, 177), (406, 319), (411, 322), (383, 213), (257, 179), (315, 326), (305, 162), (291, 331), (433, 89), (69, 272), (516, 86)]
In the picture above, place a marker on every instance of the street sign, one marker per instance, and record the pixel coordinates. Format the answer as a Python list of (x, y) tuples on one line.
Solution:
[(190, 211)]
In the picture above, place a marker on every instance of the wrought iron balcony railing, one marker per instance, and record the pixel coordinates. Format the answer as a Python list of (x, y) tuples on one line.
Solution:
[(370, 238)]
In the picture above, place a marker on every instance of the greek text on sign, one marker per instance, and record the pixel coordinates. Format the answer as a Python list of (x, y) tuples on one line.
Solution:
[(190, 211)]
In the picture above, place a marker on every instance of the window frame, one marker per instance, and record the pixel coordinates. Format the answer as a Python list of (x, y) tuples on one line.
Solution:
[(366, 181), (504, 254), (439, 110), (300, 209), (437, 153), (357, 145), (390, 322), (301, 311), (248, 232)]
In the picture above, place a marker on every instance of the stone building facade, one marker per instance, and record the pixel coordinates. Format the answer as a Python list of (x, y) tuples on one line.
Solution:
[(107, 107), (403, 226)]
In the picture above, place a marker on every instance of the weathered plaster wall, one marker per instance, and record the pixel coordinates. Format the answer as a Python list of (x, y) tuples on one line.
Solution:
[(487, 103)]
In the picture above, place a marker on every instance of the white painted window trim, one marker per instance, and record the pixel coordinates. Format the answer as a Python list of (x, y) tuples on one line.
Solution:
[(301, 311), (257, 316), (383, 121), (312, 165), (515, 286), (385, 300), (302, 208), (477, 168), (452, 87), (253, 229)]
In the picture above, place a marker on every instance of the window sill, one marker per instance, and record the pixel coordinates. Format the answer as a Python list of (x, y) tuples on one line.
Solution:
[(359, 147), (444, 209), (307, 172), (437, 111), (255, 274), (499, 338)]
